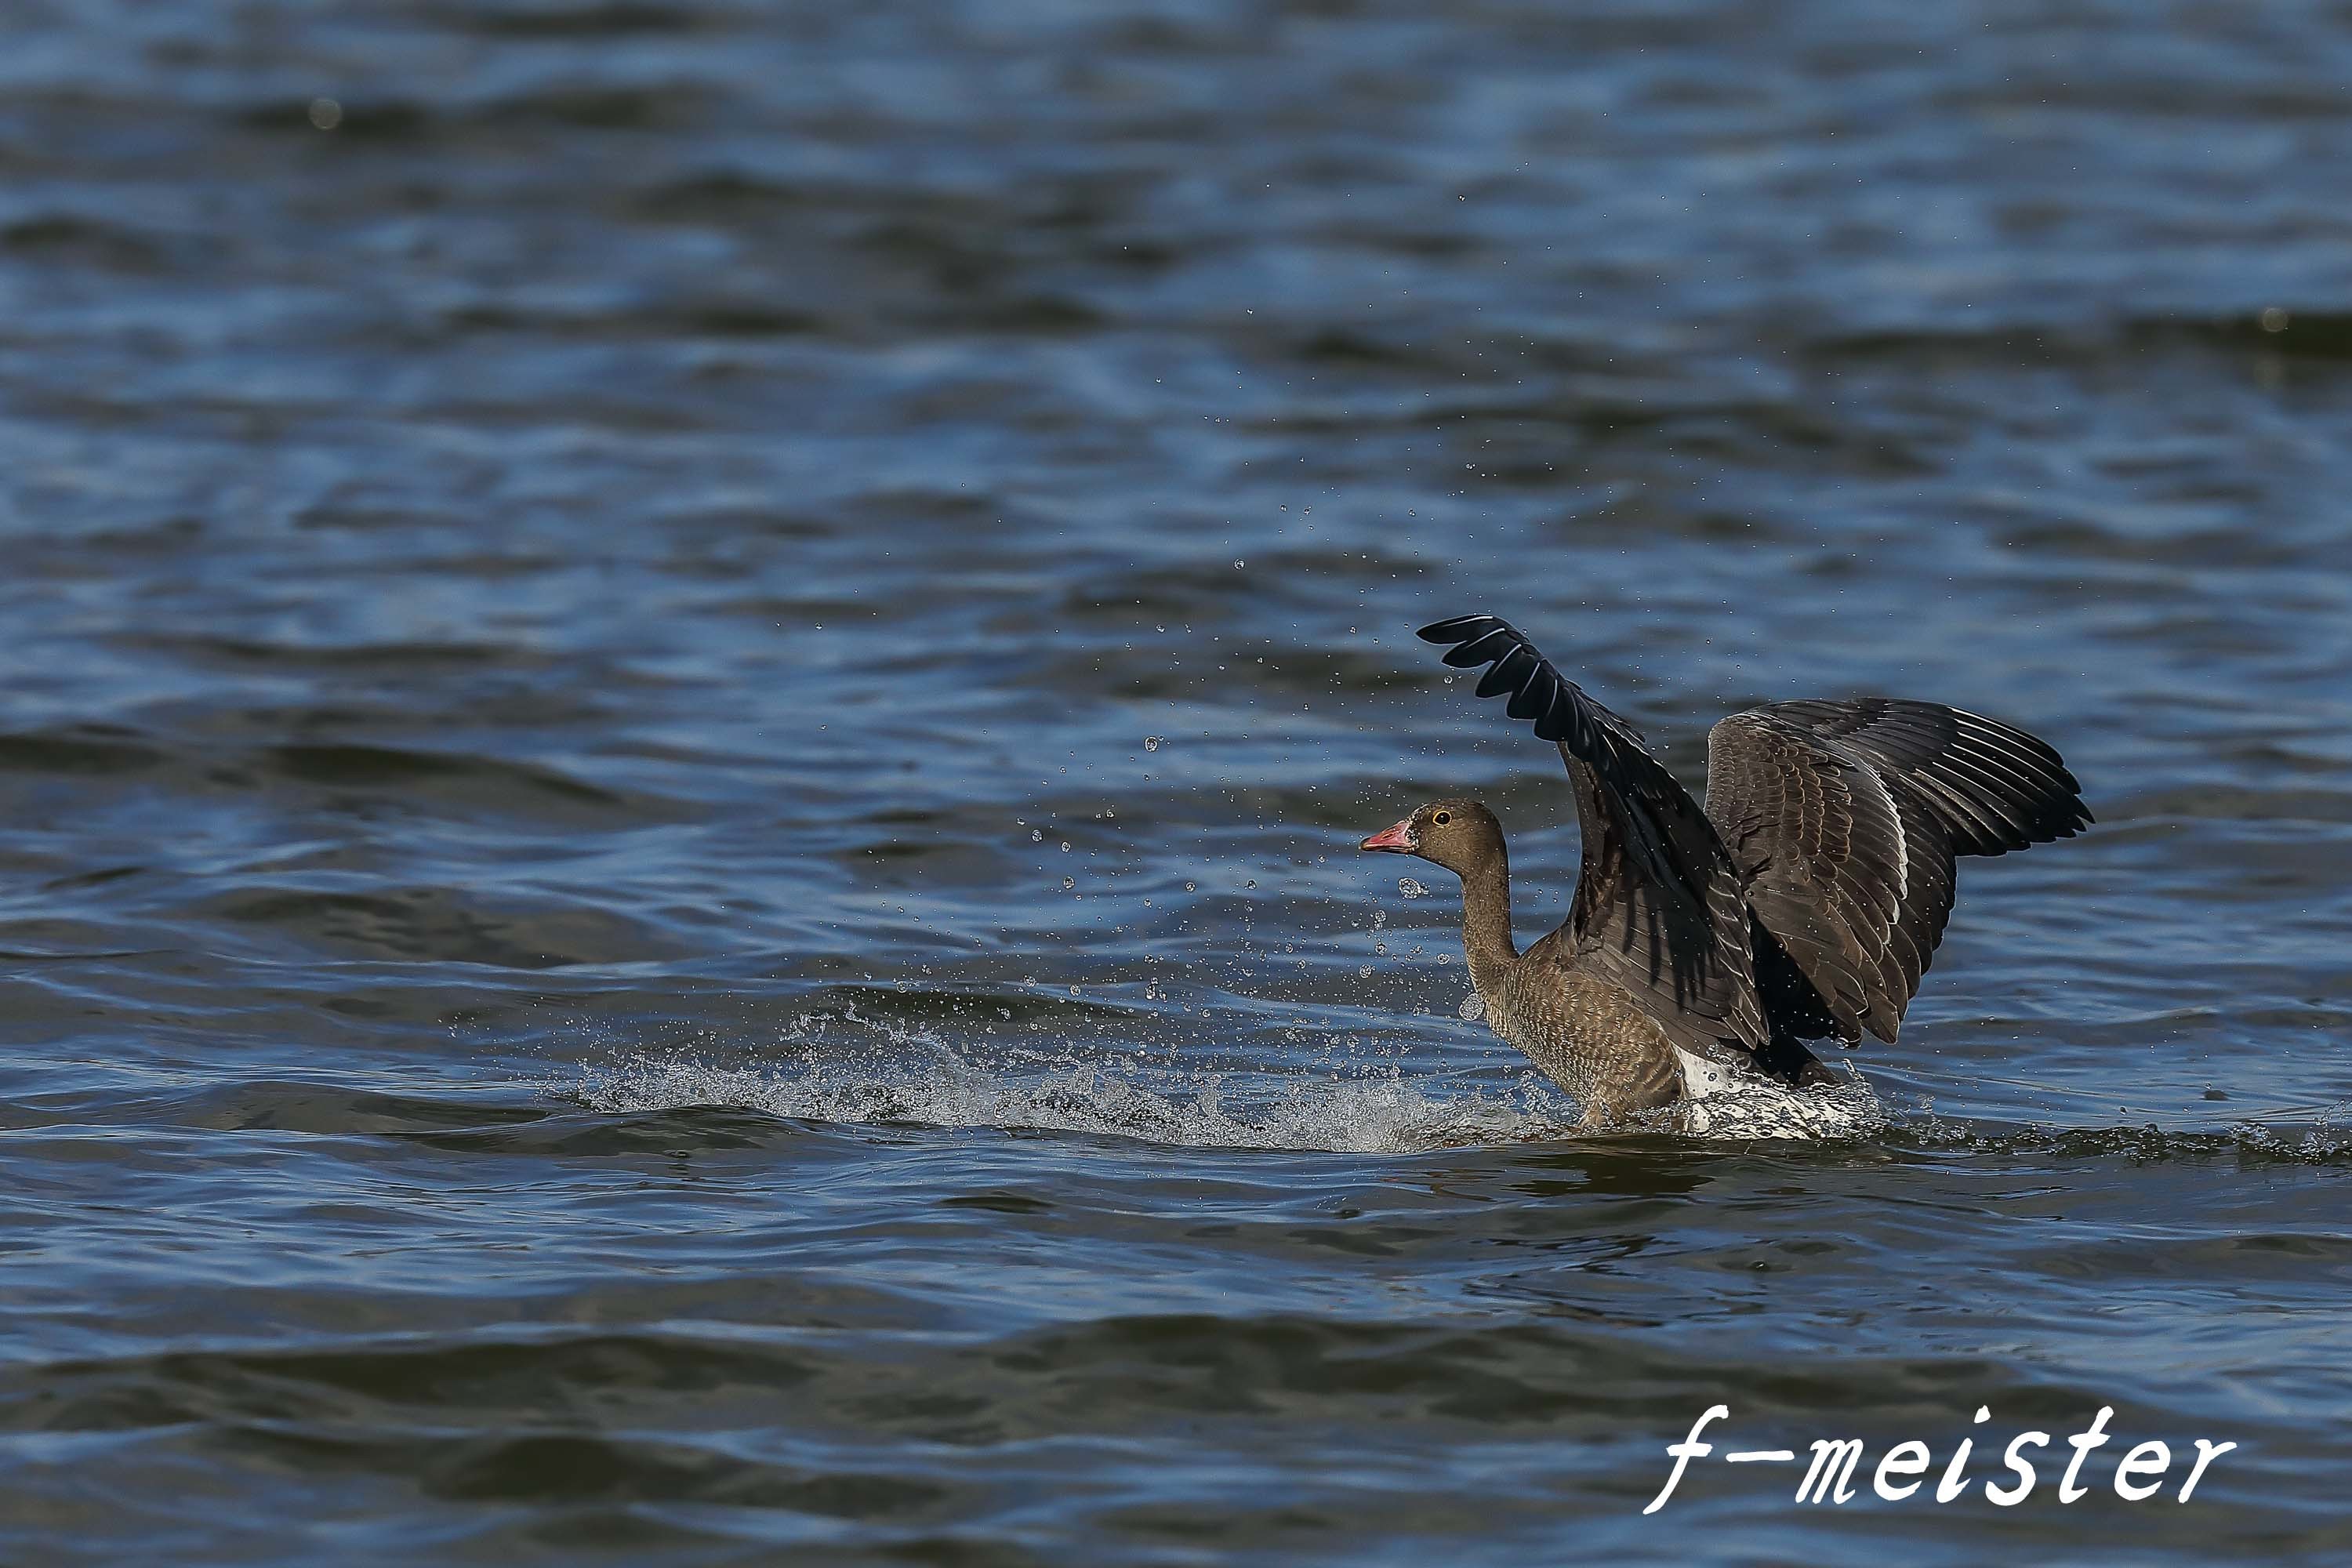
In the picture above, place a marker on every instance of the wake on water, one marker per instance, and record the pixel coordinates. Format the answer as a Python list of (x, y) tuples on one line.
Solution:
[(1375, 1111), (889, 1074)]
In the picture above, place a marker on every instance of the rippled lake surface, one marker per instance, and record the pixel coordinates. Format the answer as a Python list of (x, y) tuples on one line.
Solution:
[(687, 688)]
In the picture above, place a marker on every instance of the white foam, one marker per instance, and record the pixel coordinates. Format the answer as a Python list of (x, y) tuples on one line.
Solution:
[(849, 1069), (1371, 1112), (1739, 1106)]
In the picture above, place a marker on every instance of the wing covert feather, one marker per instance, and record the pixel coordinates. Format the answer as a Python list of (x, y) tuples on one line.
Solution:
[(1845, 818)]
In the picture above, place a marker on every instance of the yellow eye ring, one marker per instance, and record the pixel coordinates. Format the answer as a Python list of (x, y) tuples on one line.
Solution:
[(1443, 817)]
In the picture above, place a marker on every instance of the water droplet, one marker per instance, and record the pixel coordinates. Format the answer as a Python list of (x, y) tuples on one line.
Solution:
[(1150, 743), (326, 114), (1411, 889), (1036, 835), (2274, 319), (1239, 565), (1188, 887), (1473, 1006), (1066, 846), (1364, 972), (1251, 883), (1068, 882), (1444, 959)]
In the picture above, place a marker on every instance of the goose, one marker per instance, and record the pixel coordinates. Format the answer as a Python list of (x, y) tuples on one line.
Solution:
[(1703, 949)]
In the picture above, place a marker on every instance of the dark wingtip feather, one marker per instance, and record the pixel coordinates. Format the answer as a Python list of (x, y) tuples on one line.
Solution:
[(1558, 707), (1456, 629), (1483, 645), (1534, 699), (1510, 672)]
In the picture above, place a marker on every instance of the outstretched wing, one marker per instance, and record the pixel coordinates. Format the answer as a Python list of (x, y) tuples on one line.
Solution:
[(1658, 908), (1845, 818)]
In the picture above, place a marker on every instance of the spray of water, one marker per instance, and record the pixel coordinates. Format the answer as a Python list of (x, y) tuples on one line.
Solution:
[(843, 1068)]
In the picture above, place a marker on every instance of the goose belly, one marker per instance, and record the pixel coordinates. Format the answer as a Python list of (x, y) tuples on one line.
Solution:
[(1591, 1039)]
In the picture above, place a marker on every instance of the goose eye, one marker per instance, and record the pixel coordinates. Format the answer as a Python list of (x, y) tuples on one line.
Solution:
[(1443, 817)]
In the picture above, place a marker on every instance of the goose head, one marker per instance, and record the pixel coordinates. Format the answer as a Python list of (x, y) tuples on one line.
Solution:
[(1459, 835)]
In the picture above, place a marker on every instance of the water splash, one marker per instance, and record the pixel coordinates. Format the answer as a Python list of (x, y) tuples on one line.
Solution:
[(1754, 1108), (886, 1076), (838, 1064), (847, 1068), (1372, 1113)]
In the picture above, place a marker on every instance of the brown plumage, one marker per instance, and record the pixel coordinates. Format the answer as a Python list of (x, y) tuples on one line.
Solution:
[(1803, 903)]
